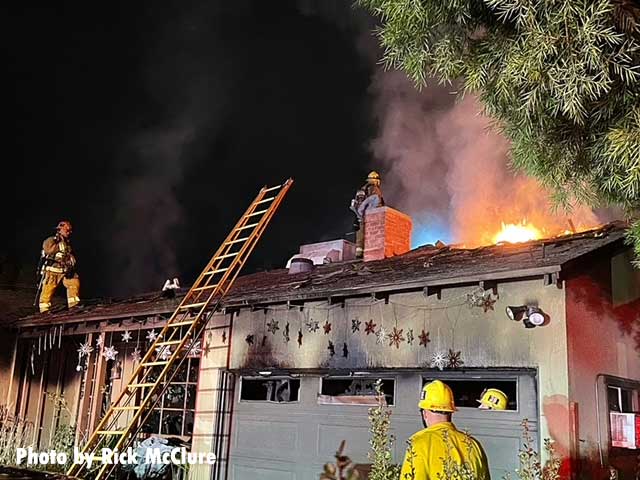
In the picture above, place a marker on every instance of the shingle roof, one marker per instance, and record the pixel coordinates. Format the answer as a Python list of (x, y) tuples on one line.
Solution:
[(423, 266)]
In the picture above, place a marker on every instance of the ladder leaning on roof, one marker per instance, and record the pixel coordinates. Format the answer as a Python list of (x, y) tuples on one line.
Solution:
[(118, 428)]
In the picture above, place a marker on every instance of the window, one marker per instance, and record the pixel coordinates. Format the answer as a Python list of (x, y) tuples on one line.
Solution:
[(173, 414), (276, 390), (467, 392), (620, 399), (354, 391)]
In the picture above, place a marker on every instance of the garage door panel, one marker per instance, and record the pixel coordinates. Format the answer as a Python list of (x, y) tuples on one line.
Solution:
[(251, 434), (252, 471), (353, 435)]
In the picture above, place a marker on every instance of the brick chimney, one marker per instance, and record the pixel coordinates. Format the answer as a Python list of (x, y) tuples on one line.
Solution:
[(387, 232)]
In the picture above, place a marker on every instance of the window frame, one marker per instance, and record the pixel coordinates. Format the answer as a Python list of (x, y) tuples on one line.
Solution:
[(373, 376), (265, 378)]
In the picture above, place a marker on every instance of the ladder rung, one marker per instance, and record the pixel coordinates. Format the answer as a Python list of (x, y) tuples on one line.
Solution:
[(150, 364), (140, 385), (228, 255), (206, 287), (129, 407), (259, 212), (272, 188), (110, 432), (179, 324), (238, 240), (266, 200), (170, 342), (193, 305), (219, 270), (251, 225)]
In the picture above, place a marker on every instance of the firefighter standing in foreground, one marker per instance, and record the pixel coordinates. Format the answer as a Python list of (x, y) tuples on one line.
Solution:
[(440, 440), (59, 266)]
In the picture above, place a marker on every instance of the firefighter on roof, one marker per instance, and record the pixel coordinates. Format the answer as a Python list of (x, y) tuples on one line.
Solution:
[(369, 196), (441, 440), (59, 265)]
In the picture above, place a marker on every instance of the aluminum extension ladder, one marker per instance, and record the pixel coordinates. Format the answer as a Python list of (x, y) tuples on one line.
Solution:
[(119, 427)]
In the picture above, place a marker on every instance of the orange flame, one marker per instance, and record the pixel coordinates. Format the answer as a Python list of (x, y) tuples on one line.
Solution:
[(517, 233)]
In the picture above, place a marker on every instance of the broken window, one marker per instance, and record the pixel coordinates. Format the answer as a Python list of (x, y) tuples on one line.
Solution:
[(466, 393), (354, 391), (173, 414), (277, 390), (620, 399)]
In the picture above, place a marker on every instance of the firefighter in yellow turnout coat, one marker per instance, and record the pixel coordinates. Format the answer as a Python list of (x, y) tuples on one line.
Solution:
[(441, 441), (59, 266)]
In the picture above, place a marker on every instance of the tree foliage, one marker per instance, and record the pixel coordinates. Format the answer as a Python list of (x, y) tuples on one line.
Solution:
[(560, 77)]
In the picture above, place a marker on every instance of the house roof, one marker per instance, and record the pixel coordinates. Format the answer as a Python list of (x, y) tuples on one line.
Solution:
[(422, 267)]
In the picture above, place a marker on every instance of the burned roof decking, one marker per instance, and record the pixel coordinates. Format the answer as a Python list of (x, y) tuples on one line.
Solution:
[(423, 266)]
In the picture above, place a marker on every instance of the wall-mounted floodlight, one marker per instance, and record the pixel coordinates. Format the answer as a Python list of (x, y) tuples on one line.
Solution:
[(531, 316)]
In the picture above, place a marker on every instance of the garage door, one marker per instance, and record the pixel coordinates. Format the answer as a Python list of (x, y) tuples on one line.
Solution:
[(288, 427)]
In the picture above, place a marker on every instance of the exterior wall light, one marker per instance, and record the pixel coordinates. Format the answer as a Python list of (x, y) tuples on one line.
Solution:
[(531, 316)]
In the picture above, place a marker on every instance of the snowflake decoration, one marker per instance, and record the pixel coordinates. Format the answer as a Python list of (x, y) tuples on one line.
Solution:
[(331, 348), (272, 326), (126, 336), (424, 338), (355, 325), (85, 350), (285, 333), (194, 347), (110, 353), (369, 327), (99, 341), (136, 355), (152, 335), (326, 327), (410, 336), (380, 335), (345, 350), (454, 359), (163, 352), (250, 339), (395, 337), (312, 326), (439, 360)]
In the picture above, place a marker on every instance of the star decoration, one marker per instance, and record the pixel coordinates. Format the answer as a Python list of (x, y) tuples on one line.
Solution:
[(110, 353), (369, 327), (272, 326), (99, 341), (312, 326), (285, 333), (395, 337), (380, 335), (331, 348), (206, 350), (299, 338), (163, 352), (224, 336), (194, 348), (355, 325), (345, 350), (249, 339), (126, 336), (135, 355), (326, 327), (439, 360), (410, 336), (424, 338), (454, 359), (85, 350), (487, 303), (152, 335)]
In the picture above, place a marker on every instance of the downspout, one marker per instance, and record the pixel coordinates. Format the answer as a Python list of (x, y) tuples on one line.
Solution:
[(600, 454)]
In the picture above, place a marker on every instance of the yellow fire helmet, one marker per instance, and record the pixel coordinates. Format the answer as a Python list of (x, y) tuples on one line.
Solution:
[(493, 399), (373, 176), (437, 396)]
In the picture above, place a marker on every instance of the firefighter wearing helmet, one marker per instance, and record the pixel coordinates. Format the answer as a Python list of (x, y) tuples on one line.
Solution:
[(367, 197), (58, 265), (441, 440), (493, 399)]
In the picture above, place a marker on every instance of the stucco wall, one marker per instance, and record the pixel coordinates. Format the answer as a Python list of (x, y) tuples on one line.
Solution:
[(603, 324), (485, 339)]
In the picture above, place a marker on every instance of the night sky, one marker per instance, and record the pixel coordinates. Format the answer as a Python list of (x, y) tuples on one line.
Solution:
[(151, 126)]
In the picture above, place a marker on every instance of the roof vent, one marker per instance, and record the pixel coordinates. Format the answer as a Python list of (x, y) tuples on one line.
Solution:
[(300, 265)]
